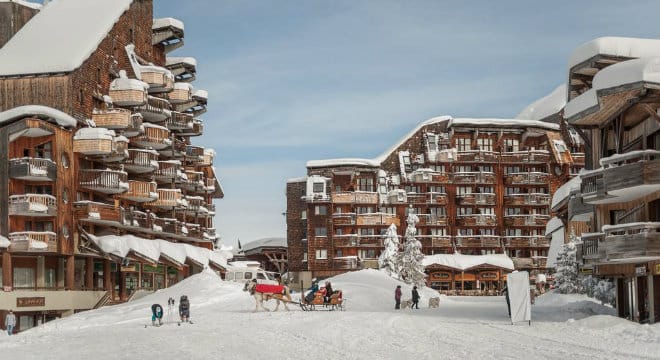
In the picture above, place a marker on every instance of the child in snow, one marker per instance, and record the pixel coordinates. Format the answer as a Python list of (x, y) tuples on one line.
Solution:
[(156, 314), (184, 308)]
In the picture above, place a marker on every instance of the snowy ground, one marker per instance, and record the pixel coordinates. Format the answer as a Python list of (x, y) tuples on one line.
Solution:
[(563, 327)]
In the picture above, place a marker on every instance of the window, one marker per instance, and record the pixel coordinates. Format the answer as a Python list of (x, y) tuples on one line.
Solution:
[(337, 188), (487, 168), (317, 187), (465, 232), (438, 211), (511, 191), (339, 253), (24, 277), (486, 232), (339, 231), (44, 151), (303, 215), (368, 254), (261, 276), (511, 145), (320, 210), (513, 232), (304, 257), (412, 189), (485, 144), (389, 210), (437, 189), (39, 189), (65, 160), (511, 169), (463, 144), (321, 254), (81, 96), (439, 232), (366, 184), (248, 275), (464, 211), (487, 211), (432, 142), (321, 231), (439, 168), (365, 210), (485, 190), (367, 232), (462, 190), (38, 225), (98, 75), (513, 211), (463, 168)]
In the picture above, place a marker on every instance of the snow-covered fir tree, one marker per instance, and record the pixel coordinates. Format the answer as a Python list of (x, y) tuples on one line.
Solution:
[(566, 278), (389, 257), (411, 268)]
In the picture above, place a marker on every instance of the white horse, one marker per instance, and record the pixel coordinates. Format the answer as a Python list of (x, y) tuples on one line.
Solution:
[(260, 297)]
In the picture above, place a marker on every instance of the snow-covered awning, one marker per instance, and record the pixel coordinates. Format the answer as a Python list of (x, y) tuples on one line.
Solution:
[(39, 111), (553, 225), (274, 242), (564, 191), (4, 242), (465, 262), (167, 22), (545, 106), (172, 60)]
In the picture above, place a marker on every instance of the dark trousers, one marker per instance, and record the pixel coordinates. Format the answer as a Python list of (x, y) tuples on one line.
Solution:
[(398, 304), (415, 304)]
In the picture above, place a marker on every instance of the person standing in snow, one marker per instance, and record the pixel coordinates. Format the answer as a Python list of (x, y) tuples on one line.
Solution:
[(415, 298), (156, 314), (10, 322), (397, 297), (184, 308)]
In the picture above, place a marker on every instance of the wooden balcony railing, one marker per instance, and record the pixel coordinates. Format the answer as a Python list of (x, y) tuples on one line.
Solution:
[(526, 156), (175, 149), (427, 198), (477, 156), (141, 191), (141, 161), (525, 241), (196, 129), (33, 241), (476, 220), (357, 197), (33, 169), (621, 176), (432, 220), (527, 178), (156, 137), (103, 181), (429, 177), (435, 241), (97, 212), (168, 171), (578, 159), (181, 93), (158, 78), (168, 199), (591, 250), (476, 199), (179, 121), (473, 177), (114, 119), (527, 199), (344, 219), (354, 240), (526, 220), (631, 240), (345, 263), (128, 92), (155, 109), (491, 241), (32, 205), (377, 219)]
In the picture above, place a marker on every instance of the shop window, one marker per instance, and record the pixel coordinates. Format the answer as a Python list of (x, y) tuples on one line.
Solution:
[(24, 277)]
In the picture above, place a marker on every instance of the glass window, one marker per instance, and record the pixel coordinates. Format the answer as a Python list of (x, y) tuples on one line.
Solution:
[(320, 210), (339, 253), (304, 257), (44, 151), (317, 187), (321, 254), (463, 144), (239, 275), (485, 144), (24, 277), (261, 276), (511, 145), (50, 278), (229, 276), (321, 231), (303, 215), (366, 184)]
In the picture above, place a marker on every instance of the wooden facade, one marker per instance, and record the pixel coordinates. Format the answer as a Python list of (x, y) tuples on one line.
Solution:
[(62, 189)]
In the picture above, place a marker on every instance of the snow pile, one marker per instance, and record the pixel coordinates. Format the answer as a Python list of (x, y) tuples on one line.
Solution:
[(564, 191), (4, 242), (545, 106), (462, 262), (39, 111), (167, 22), (560, 307)]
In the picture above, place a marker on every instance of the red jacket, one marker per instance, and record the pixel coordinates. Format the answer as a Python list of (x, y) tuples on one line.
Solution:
[(397, 294)]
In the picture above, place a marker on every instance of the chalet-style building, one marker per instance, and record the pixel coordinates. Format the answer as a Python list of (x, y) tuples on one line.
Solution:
[(103, 192), (269, 253), (613, 101), (479, 186)]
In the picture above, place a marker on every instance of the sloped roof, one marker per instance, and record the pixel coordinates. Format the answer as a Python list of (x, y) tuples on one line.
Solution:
[(39, 111), (615, 46), (464, 262), (545, 106), (60, 37), (265, 242)]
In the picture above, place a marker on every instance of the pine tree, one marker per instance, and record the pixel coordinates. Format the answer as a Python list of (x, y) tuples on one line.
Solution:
[(566, 278), (411, 268), (388, 259)]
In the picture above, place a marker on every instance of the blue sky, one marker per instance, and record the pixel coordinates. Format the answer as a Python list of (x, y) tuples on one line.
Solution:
[(291, 81)]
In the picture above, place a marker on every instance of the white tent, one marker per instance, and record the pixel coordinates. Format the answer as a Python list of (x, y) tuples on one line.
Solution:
[(518, 288)]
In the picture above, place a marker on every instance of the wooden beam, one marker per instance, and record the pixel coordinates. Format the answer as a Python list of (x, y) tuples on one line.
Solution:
[(650, 111), (629, 103)]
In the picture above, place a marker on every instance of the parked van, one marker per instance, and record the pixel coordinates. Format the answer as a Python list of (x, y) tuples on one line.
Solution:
[(243, 274)]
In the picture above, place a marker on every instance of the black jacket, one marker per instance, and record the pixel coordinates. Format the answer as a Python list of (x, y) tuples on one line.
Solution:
[(415, 295)]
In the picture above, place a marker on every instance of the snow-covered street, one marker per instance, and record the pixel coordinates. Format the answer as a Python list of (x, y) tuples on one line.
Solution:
[(563, 327)]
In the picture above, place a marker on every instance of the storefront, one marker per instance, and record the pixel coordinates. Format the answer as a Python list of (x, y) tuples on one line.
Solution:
[(457, 274)]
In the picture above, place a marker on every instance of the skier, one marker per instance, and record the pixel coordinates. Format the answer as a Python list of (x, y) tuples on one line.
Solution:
[(156, 314), (415, 298), (10, 322), (397, 297), (184, 308)]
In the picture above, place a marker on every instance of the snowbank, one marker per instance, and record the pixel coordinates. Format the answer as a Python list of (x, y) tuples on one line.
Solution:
[(553, 306)]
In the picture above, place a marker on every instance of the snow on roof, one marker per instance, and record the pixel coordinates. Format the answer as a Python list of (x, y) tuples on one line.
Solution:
[(463, 262), (345, 161), (565, 190), (615, 46), (124, 83), (4, 242), (265, 242), (545, 106), (514, 123), (79, 38), (167, 22), (203, 94), (171, 60), (584, 101), (393, 148), (297, 179), (150, 125), (31, 5), (556, 244), (40, 111), (553, 225), (183, 86), (94, 134)]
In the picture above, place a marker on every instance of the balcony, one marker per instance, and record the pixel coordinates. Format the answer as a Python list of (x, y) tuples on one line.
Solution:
[(591, 251), (431, 198), (194, 154), (196, 205), (33, 169), (476, 199), (481, 241), (631, 240), (476, 220), (435, 241), (428, 176), (377, 219), (196, 129), (156, 137), (34, 205), (179, 121), (354, 240), (578, 159), (137, 218), (167, 32), (99, 142), (473, 177), (33, 241), (174, 149), (140, 191), (343, 219), (346, 263), (128, 92), (183, 68), (527, 178), (623, 178), (519, 241), (477, 156), (114, 119), (103, 181), (526, 220), (182, 93), (357, 197), (534, 199), (155, 110), (159, 79), (522, 263), (194, 180), (169, 171), (577, 207), (99, 213), (432, 220), (141, 161), (527, 156), (168, 199), (209, 185)]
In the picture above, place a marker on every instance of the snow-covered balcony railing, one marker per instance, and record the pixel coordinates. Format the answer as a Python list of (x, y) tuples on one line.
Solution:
[(343, 218), (207, 158), (168, 171), (532, 199), (346, 263), (96, 212), (175, 149), (168, 199), (476, 220), (623, 177), (209, 185), (426, 198), (476, 199), (210, 207), (182, 93), (473, 177), (526, 220), (155, 109), (435, 241), (523, 263), (183, 68), (196, 129), (113, 119), (156, 137), (357, 197), (103, 181), (136, 218), (527, 178), (525, 241), (480, 156), (194, 153), (354, 240), (194, 180), (34, 205), (432, 220), (100, 142), (140, 191), (128, 92), (526, 156), (194, 231), (428, 175), (196, 204), (165, 225), (578, 159), (179, 121), (141, 161), (33, 241), (591, 250), (631, 240), (377, 219), (490, 241), (160, 80), (33, 169), (168, 32)]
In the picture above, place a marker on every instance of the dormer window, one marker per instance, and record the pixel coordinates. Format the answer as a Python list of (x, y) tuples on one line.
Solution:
[(317, 187)]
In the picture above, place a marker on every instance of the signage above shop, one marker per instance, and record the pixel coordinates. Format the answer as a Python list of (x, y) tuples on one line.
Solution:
[(640, 270), (30, 301)]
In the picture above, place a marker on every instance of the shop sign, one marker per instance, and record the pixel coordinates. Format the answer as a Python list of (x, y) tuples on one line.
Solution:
[(586, 271), (657, 269), (30, 301), (488, 276), (640, 270), (440, 276), (129, 268), (152, 269)]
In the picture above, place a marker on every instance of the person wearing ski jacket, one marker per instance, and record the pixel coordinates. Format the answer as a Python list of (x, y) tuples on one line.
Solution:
[(397, 297), (415, 298), (10, 322), (312, 290), (156, 314), (328, 292), (184, 308)]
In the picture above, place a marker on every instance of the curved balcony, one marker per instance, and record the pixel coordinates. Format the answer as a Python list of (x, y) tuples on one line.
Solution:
[(103, 181), (535, 199), (155, 109), (525, 241), (209, 185), (156, 137), (479, 156), (194, 180), (435, 241), (526, 220), (168, 199), (168, 172), (473, 177), (196, 205), (182, 93), (527, 178), (625, 177), (33, 169), (197, 129), (114, 119), (35, 205), (140, 191), (33, 241), (98, 213), (94, 141), (473, 199), (141, 161), (183, 68), (480, 241), (179, 121), (176, 149), (526, 156), (159, 79), (167, 32), (194, 154), (476, 220), (128, 92)]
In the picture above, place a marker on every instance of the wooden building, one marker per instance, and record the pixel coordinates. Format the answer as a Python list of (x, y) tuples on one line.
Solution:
[(613, 103), (270, 253), (479, 186), (104, 192)]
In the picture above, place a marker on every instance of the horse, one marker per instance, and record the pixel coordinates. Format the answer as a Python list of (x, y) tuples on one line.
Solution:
[(260, 297)]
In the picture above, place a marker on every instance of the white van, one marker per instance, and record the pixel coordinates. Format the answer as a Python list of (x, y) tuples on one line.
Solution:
[(243, 274)]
